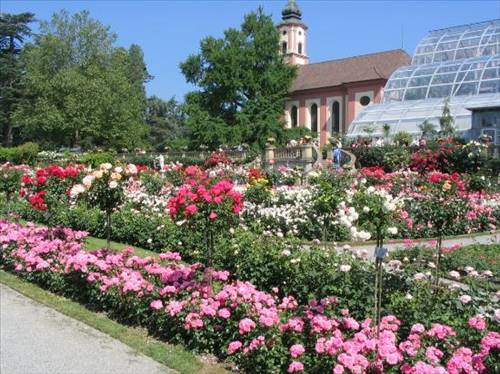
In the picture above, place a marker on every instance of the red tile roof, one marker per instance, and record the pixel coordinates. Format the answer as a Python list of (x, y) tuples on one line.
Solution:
[(352, 69)]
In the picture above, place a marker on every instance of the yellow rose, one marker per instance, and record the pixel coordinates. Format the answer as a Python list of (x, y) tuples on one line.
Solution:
[(116, 176), (98, 174), (446, 186)]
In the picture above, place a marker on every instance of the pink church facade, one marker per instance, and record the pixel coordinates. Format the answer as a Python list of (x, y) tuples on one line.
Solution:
[(327, 96)]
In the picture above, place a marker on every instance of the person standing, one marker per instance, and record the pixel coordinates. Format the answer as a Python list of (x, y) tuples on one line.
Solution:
[(337, 155)]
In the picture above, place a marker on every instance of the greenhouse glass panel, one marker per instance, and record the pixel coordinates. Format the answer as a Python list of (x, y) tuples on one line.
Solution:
[(395, 95), (444, 78), (454, 37), (448, 68), (447, 46), (396, 83), (440, 91), (415, 93), (489, 86), (474, 42), (491, 73), (419, 81), (466, 53), (425, 71), (467, 89)]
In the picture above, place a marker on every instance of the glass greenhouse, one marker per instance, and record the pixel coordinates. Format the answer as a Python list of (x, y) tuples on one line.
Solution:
[(460, 63)]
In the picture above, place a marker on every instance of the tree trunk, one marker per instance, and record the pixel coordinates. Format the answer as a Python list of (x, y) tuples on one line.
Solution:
[(7, 130)]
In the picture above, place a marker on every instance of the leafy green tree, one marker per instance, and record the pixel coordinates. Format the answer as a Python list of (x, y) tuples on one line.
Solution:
[(242, 85), (446, 121), (82, 89), (166, 121), (428, 129), (14, 29)]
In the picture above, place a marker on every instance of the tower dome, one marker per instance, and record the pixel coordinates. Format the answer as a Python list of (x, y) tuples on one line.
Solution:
[(291, 11)]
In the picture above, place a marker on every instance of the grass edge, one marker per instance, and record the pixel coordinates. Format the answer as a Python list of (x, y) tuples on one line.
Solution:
[(171, 356)]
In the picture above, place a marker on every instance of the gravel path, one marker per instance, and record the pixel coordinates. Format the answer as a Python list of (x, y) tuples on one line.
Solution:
[(35, 339), (480, 239)]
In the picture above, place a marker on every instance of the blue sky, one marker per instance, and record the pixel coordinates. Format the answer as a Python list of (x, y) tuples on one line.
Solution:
[(168, 31)]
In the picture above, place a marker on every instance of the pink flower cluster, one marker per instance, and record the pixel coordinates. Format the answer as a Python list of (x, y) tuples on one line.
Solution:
[(262, 322)]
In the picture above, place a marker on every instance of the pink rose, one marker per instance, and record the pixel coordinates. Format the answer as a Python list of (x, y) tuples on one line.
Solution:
[(295, 366), (296, 350), (156, 304), (234, 346), (246, 325)]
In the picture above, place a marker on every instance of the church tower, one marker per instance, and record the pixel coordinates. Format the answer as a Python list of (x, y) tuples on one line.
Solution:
[(293, 35)]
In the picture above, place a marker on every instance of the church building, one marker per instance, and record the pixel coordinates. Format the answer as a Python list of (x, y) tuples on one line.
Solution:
[(327, 96)]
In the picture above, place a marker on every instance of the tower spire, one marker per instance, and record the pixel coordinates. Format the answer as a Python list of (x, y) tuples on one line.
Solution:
[(293, 34), (291, 11)]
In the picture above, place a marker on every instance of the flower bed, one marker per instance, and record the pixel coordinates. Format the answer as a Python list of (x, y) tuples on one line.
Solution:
[(259, 331), (476, 265)]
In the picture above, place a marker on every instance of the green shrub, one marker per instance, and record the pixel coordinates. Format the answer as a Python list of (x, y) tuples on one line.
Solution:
[(22, 154), (396, 158), (295, 133), (369, 156), (96, 158), (402, 138)]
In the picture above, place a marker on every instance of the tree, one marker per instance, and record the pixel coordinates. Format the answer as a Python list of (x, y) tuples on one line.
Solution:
[(14, 29), (166, 121), (428, 129), (82, 89), (446, 121), (386, 128), (243, 84)]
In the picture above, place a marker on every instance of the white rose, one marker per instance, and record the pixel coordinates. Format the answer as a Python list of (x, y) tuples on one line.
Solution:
[(77, 189), (392, 230), (465, 299), (366, 209), (87, 181), (286, 252), (454, 274), (113, 184), (345, 268)]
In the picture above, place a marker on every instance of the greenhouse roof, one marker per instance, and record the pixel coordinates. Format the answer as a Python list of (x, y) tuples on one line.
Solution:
[(459, 42), (461, 63), (407, 115), (472, 76)]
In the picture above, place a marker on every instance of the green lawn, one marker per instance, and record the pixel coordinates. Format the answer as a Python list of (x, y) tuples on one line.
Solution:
[(92, 243)]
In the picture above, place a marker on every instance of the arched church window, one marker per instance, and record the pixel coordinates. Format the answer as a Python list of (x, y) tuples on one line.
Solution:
[(314, 118), (294, 116), (336, 117), (300, 48), (283, 47)]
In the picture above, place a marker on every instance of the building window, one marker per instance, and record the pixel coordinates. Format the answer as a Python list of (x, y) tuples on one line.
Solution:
[(300, 32), (314, 118), (300, 48), (283, 47), (284, 32), (294, 116), (336, 117), (365, 100)]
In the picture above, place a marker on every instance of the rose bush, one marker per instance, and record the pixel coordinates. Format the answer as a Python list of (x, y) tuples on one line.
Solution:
[(260, 331)]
